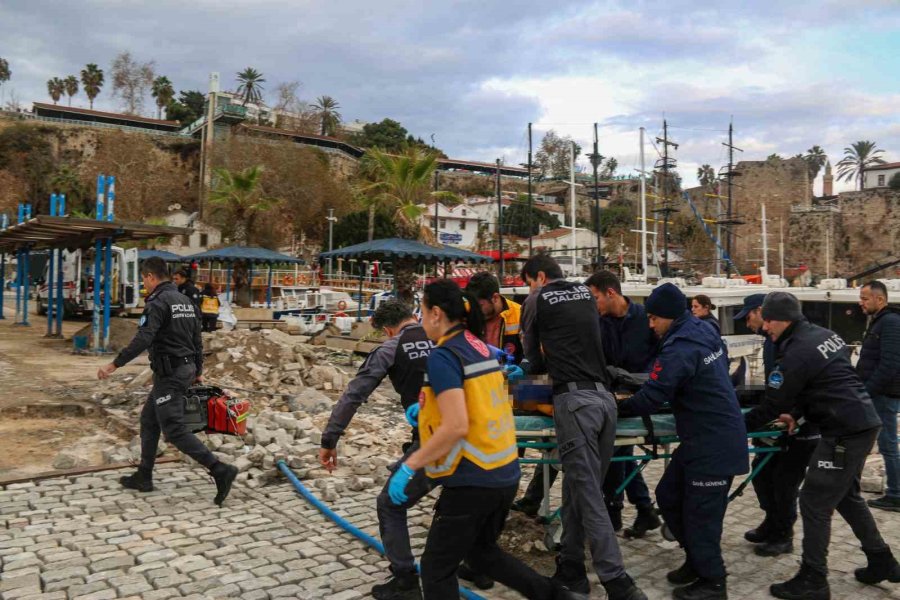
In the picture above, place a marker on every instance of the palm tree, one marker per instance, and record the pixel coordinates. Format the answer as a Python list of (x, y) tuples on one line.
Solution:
[(250, 88), (815, 159), (91, 81), (329, 117), (71, 84), (56, 87), (857, 158), (706, 175), (240, 197), (402, 185), (163, 91)]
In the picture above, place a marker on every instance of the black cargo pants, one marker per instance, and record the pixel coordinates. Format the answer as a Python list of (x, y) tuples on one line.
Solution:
[(163, 413)]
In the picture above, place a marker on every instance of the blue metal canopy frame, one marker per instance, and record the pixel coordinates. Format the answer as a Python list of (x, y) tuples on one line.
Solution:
[(163, 254)]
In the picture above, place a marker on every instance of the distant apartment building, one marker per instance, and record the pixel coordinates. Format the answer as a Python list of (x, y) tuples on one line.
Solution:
[(880, 175), (486, 208), (456, 225), (203, 238)]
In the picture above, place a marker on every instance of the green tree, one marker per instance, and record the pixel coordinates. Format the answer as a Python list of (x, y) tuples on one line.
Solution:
[(189, 107), (27, 154), (66, 181), (163, 91), (5, 73), (56, 87), (351, 229), (402, 185), (515, 219), (91, 81), (326, 108), (858, 157), (894, 182), (388, 135), (609, 168), (71, 86), (554, 155), (618, 217), (706, 175), (815, 159), (239, 200), (774, 157), (249, 85)]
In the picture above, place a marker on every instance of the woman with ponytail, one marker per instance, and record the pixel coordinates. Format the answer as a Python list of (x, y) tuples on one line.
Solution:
[(468, 438)]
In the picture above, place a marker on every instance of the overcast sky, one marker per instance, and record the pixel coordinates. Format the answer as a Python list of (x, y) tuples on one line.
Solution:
[(474, 74)]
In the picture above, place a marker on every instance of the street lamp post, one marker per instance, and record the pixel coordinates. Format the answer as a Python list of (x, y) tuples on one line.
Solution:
[(331, 219)]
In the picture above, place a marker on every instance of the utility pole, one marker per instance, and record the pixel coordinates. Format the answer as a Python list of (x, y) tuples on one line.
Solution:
[(666, 209), (596, 159), (331, 219), (500, 224), (207, 137), (643, 210), (730, 222), (781, 245), (765, 241), (530, 197), (572, 195), (437, 179)]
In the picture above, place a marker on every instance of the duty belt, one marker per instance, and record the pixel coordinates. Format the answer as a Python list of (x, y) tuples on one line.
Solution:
[(574, 386)]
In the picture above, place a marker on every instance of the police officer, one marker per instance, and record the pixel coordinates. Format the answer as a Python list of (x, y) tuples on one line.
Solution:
[(628, 344), (170, 329), (402, 359), (182, 279), (879, 368), (777, 485), (690, 373), (561, 336), (813, 378)]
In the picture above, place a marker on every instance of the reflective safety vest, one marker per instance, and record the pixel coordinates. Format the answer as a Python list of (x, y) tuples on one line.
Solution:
[(491, 440), (511, 342), (209, 305)]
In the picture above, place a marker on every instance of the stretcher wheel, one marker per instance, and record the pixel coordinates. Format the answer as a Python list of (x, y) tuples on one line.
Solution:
[(667, 533)]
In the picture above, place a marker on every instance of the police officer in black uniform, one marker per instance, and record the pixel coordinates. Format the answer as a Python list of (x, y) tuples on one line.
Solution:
[(777, 485), (561, 336), (813, 379), (182, 279), (170, 329), (402, 359)]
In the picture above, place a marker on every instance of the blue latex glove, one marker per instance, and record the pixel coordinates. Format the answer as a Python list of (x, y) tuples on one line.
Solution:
[(397, 484), (514, 373), (412, 414)]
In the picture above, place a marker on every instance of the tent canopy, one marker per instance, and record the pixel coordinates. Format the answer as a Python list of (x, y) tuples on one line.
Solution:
[(163, 254), (393, 248), (247, 254)]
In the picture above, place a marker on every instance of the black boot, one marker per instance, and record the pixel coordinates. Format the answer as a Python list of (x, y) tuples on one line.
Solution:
[(224, 475), (481, 581), (683, 575), (702, 589), (623, 588), (398, 587), (882, 565), (526, 505), (781, 542), (141, 480), (647, 519), (572, 576), (761, 533), (807, 584)]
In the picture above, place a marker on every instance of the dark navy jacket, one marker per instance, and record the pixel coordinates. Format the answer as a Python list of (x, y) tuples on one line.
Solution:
[(712, 321), (628, 342), (806, 431), (691, 373), (813, 378), (879, 358)]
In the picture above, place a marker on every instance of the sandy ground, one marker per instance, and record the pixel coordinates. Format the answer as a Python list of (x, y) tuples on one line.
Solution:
[(38, 372)]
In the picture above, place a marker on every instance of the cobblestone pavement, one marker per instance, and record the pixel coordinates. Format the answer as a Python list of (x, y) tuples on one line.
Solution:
[(84, 537)]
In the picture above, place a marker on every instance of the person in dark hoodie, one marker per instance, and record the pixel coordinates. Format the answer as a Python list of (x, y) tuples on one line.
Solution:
[(813, 379), (690, 374), (879, 368), (777, 485)]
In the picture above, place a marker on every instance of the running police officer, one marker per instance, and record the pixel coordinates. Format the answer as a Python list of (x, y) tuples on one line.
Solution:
[(402, 359), (691, 374), (628, 344), (170, 329), (561, 336), (813, 379), (777, 485)]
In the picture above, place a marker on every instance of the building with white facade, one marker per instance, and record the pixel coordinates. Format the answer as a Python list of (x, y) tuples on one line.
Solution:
[(456, 225), (203, 238), (561, 245), (486, 209), (880, 176)]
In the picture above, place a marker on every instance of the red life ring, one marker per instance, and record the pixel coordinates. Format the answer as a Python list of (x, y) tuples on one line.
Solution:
[(287, 280), (342, 304)]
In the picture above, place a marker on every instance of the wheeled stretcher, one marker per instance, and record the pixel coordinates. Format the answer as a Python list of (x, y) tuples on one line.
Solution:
[(653, 436)]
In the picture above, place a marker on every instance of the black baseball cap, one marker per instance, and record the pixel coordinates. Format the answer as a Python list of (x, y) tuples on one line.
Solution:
[(750, 302)]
